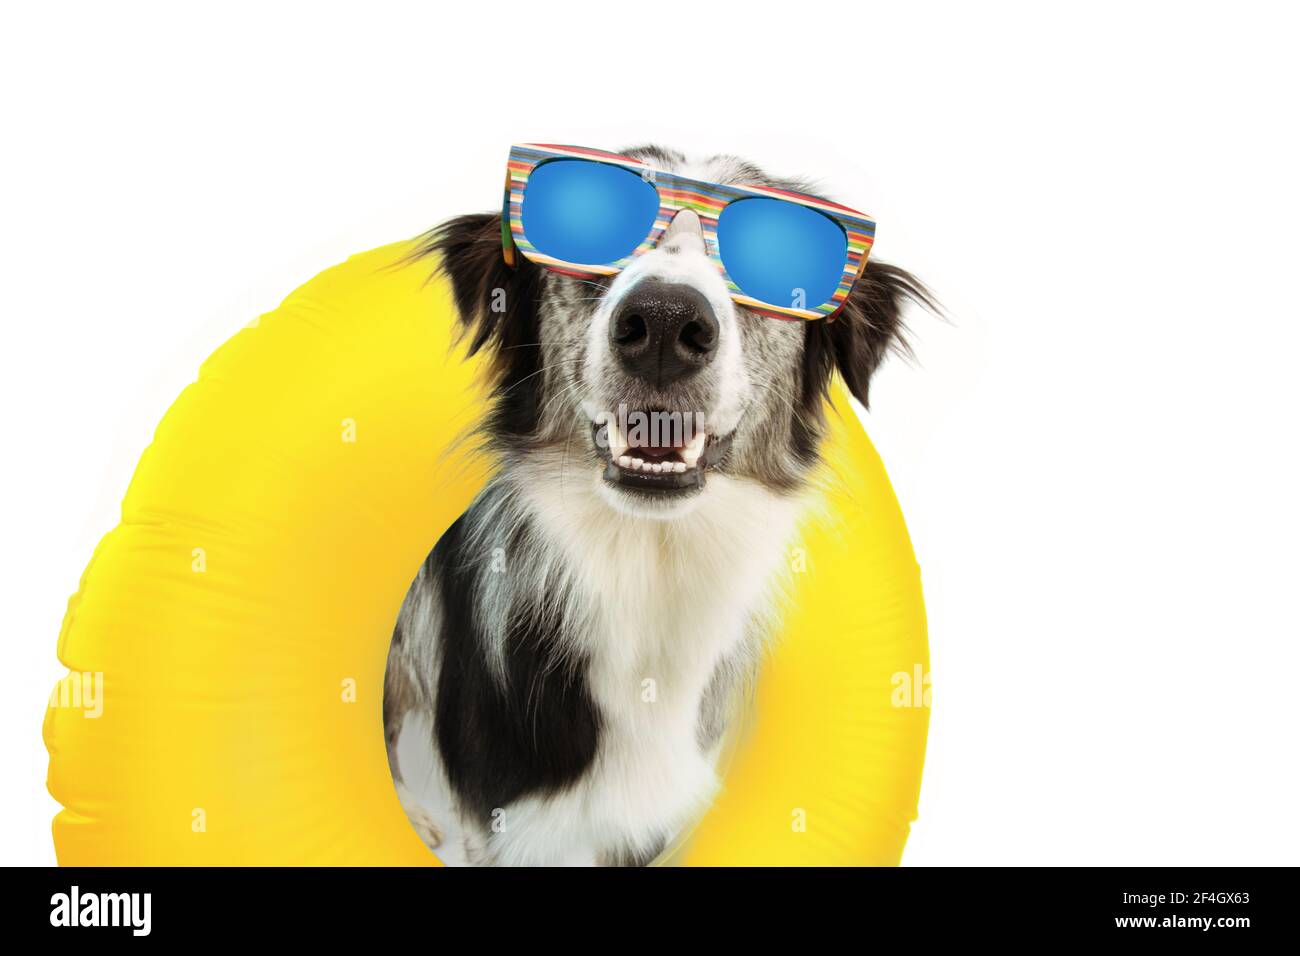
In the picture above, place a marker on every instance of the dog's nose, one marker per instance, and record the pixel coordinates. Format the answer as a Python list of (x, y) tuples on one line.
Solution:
[(663, 332)]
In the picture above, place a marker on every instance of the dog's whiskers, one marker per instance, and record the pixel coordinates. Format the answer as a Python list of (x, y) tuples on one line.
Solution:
[(531, 375)]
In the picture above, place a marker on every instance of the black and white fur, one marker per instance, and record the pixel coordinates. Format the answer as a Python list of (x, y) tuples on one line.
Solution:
[(574, 642)]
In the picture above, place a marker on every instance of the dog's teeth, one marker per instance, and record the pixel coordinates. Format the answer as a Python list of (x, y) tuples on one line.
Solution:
[(694, 448), (617, 446), (652, 467)]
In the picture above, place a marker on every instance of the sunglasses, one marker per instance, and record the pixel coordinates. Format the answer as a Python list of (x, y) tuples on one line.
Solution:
[(585, 212)]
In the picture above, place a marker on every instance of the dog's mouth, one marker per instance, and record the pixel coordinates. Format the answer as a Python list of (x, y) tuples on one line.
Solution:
[(673, 466)]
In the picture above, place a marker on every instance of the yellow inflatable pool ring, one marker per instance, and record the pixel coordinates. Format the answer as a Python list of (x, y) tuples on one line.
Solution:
[(232, 631)]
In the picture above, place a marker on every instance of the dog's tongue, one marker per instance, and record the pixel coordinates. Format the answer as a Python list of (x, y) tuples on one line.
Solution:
[(639, 447), (655, 451)]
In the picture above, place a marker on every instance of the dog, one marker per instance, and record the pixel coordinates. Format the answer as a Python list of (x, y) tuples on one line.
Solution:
[(576, 642)]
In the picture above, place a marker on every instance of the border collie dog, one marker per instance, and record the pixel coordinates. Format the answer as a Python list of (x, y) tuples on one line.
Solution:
[(576, 639)]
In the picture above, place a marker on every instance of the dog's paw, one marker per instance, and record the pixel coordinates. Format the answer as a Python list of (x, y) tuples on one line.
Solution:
[(421, 819)]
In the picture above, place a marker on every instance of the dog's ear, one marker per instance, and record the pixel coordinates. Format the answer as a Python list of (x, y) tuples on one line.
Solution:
[(498, 312), (497, 303), (859, 337)]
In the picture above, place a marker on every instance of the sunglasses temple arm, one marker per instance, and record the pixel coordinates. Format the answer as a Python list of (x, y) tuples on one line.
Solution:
[(508, 251)]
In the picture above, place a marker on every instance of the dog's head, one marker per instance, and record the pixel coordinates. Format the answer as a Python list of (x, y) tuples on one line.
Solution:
[(643, 385)]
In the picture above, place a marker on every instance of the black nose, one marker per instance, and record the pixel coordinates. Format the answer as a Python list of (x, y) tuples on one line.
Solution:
[(663, 332)]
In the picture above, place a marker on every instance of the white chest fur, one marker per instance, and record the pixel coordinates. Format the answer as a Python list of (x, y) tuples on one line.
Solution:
[(666, 601)]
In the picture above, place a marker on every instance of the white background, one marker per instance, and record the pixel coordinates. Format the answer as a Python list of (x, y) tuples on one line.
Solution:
[(1096, 457)]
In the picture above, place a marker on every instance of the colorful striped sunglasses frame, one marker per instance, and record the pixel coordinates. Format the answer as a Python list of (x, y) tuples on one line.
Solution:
[(676, 193)]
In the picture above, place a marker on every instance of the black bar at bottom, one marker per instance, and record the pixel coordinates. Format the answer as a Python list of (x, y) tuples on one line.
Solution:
[(381, 905)]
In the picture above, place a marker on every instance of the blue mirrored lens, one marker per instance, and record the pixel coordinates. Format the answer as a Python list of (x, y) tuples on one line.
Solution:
[(587, 213), (782, 253)]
